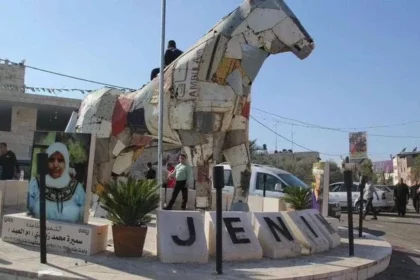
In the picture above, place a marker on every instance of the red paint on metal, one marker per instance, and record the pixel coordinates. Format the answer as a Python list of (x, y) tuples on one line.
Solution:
[(203, 173), (119, 116), (246, 110)]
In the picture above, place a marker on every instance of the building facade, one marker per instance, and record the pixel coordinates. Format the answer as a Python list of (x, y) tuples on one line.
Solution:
[(22, 113), (404, 163)]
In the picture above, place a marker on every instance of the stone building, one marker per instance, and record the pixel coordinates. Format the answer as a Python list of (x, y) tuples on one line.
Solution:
[(22, 113), (404, 162)]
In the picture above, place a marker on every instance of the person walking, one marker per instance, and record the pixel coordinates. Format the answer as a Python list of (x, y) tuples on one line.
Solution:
[(401, 196), (182, 174), (368, 196), (151, 173), (415, 197), (8, 162)]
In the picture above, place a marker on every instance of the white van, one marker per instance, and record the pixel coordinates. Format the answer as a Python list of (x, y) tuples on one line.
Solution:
[(276, 181)]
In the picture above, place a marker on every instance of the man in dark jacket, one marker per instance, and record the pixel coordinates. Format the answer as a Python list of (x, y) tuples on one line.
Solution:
[(151, 173), (401, 196), (8, 162), (415, 197), (171, 54)]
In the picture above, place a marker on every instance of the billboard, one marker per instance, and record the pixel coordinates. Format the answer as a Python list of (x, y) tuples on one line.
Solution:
[(358, 145), (68, 182)]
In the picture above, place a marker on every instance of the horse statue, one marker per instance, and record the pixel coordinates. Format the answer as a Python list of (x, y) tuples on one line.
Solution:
[(206, 98)]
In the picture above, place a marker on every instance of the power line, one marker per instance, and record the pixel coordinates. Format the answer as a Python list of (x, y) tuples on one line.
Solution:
[(291, 141), (337, 128), (65, 75), (307, 125)]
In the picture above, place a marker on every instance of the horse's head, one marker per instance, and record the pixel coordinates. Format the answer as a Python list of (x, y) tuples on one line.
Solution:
[(277, 28)]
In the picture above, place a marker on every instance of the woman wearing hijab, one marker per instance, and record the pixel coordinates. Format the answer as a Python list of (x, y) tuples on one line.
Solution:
[(65, 197)]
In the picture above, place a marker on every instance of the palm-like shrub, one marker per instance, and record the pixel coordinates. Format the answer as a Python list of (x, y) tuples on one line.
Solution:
[(298, 198), (129, 203)]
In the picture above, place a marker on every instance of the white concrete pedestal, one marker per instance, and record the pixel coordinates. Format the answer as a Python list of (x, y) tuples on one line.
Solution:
[(14, 192), (85, 239), (239, 240), (180, 237)]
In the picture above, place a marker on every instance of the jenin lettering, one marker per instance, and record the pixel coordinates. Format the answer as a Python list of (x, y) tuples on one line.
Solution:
[(233, 231), (191, 235), (309, 226), (282, 228)]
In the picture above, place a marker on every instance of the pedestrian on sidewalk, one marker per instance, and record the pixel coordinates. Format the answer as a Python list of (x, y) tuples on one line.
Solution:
[(415, 196), (401, 197), (368, 196), (182, 174)]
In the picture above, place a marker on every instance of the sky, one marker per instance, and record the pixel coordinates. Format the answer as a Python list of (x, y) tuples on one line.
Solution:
[(363, 72)]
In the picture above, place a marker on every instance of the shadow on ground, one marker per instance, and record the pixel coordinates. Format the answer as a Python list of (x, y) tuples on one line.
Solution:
[(402, 266)]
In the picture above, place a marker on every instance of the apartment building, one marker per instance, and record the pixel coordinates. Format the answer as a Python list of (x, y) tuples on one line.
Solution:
[(23, 113)]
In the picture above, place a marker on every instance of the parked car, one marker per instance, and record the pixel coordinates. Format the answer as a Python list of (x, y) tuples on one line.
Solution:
[(386, 201), (276, 181), (339, 191)]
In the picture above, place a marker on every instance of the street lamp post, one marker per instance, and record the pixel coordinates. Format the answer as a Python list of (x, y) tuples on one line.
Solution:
[(161, 99)]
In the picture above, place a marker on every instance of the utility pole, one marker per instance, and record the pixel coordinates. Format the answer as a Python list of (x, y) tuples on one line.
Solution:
[(275, 129)]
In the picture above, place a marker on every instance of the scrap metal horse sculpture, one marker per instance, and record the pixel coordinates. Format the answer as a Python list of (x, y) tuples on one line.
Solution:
[(206, 100)]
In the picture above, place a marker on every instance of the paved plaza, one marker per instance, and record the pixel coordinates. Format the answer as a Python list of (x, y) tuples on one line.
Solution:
[(404, 236)]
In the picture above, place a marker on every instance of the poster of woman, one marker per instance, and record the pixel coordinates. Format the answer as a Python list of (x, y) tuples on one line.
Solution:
[(67, 183)]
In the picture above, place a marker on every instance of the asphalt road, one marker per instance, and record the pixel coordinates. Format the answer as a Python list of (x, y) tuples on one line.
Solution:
[(404, 236)]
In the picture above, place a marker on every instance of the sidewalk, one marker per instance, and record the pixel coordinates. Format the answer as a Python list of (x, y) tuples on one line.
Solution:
[(373, 256)]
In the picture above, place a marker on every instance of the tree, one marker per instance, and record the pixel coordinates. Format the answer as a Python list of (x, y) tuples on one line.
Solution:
[(415, 170), (366, 168), (254, 148), (389, 181), (335, 173)]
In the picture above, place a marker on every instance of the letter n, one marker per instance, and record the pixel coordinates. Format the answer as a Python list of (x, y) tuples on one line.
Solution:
[(282, 228)]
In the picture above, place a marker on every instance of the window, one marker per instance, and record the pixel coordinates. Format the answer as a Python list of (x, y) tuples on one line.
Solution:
[(335, 188), (291, 180), (343, 188), (271, 182), (228, 178), (6, 119)]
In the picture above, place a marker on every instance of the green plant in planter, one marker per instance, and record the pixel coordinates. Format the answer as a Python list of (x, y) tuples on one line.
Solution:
[(298, 198), (129, 205)]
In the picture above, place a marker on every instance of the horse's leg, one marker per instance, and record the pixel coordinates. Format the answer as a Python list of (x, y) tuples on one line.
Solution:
[(236, 152), (201, 159)]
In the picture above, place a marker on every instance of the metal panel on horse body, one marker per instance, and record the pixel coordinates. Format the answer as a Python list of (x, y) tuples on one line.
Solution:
[(106, 105), (225, 67), (252, 60), (271, 43), (234, 80), (271, 18), (234, 49), (186, 74), (119, 116), (182, 115), (218, 52), (152, 122), (230, 24), (214, 97), (145, 95), (237, 155), (208, 122), (288, 32), (123, 163)]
